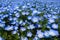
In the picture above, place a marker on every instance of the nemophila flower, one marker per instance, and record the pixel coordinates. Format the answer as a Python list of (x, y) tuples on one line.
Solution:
[(10, 13), (17, 7), (34, 12), (25, 13), (46, 34), (8, 6), (21, 21), (29, 17), (2, 25), (13, 22), (8, 28), (1, 21), (2, 9), (48, 26), (1, 38), (23, 29), (17, 14), (54, 12), (24, 38), (35, 19), (15, 18), (28, 4), (53, 32), (29, 34), (41, 18), (5, 8), (15, 27), (38, 12), (14, 32), (24, 6), (55, 26), (45, 16), (39, 26), (31, 26), (4, 16), (35, 38), (10, 9), (19, 10), (54, 16), (40, 34), (32, 9), (10, 18), (49, 15), (51, 20), (1, 15)]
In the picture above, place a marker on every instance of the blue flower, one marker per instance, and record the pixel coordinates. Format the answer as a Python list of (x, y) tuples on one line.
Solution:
[(51, 20), (25, 13), (34, 12), (40, 34), (8, 28), (13, 22), (2, 25), (39, 26), (29, 34), (53, 32), (55, 26), (24, 38), (35, 19), (17, 14), (2, 9), (54, 12), (17, 7), (24, 6), (49, 15), (23, 29), (35, 38), (3, 22), (21, 21), (48, 26), (14, 32), (31, 26), (10, 18), (46, 33), (15, 18), (55, 17), (6, 15), (29, 17), (15, 27), (1, 38)]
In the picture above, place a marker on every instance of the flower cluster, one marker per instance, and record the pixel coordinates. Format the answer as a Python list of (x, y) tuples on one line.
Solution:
[(30, 20)]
